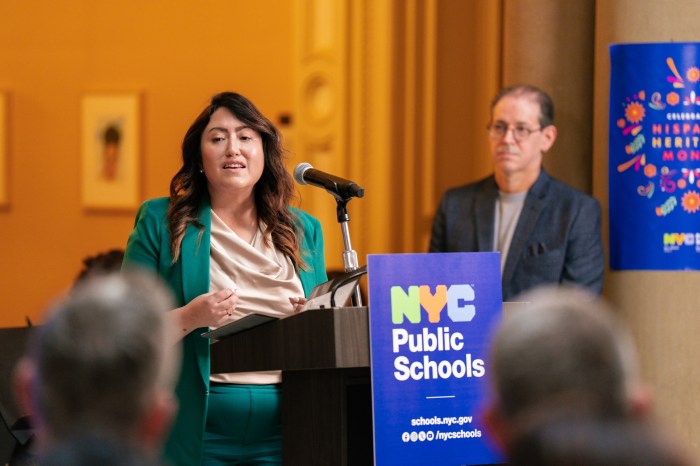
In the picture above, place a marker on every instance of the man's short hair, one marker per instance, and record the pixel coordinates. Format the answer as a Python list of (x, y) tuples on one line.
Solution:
[(565, 351), (538, 95), (102, 355)]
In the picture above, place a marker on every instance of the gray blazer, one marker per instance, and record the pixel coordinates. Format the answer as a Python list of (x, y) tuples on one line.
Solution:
[(557, 238)]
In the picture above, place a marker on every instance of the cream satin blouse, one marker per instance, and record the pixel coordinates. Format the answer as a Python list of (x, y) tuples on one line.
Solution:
[(263, 278)]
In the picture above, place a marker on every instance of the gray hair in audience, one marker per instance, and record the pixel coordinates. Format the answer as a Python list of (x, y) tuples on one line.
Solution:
[(566, 350), (103, 353)]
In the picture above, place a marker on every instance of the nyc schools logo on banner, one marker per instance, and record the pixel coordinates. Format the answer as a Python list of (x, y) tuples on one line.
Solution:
[(431, 318), (654, 160)]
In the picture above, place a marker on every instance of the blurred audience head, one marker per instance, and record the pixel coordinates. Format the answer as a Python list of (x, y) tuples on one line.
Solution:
[(565, 352), (104, 362)]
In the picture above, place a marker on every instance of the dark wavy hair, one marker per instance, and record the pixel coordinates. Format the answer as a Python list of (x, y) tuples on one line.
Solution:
[(273, 192)]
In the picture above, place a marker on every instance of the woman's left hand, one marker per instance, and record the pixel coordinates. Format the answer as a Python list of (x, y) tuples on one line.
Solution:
[(297, 304)]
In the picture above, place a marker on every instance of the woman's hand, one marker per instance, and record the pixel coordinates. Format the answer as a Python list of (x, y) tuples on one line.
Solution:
[(205, 310), (297, 304)]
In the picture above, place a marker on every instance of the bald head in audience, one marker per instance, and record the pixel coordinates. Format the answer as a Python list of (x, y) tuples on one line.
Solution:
[(104, 363)]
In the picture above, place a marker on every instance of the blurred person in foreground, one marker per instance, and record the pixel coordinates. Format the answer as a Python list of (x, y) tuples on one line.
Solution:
[(229, 244), (564, 355), (102, 369)]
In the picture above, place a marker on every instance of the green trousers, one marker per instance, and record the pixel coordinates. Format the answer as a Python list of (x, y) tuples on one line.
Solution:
[(243, 425)]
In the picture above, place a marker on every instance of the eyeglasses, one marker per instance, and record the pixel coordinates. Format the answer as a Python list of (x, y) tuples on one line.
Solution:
[(520, 133)]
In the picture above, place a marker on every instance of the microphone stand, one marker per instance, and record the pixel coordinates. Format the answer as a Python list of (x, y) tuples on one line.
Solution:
[(349, 256)]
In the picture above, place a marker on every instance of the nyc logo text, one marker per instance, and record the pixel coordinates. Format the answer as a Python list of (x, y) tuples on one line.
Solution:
[(454, 303)]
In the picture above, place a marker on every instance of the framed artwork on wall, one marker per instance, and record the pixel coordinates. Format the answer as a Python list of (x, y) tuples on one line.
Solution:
[(4, 189), (110, 151)]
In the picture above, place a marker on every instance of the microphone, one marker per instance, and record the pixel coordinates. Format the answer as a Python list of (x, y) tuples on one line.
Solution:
[(340, 188)]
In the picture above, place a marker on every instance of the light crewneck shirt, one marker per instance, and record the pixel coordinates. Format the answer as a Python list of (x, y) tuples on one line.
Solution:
[(508, 209)]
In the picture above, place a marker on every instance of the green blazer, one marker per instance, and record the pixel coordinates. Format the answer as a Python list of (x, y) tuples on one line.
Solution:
[(149, 247)]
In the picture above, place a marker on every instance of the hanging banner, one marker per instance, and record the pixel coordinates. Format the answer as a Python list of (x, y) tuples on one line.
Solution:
[(431, 318), (654, 160)]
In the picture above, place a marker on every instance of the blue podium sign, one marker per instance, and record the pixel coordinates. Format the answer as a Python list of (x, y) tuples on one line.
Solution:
[(431, 318)]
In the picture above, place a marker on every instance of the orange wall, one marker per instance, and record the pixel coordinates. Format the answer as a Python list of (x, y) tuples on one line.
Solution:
[(468, 76), (175, 54)]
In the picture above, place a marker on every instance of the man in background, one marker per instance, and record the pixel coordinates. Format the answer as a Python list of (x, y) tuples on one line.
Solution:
[(102, 368), (546, 232)]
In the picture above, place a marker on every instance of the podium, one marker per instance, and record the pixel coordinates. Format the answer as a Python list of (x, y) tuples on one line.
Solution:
[(326, 396)]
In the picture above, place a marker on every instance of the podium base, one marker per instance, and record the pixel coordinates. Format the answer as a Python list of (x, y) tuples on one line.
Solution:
[(327, 417)]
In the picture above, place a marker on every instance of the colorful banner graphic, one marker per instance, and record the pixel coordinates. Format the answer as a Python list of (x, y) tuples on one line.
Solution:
[(654, 173), (431, 317)]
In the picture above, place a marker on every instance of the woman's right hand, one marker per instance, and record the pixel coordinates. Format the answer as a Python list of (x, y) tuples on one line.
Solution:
[(206, 310)]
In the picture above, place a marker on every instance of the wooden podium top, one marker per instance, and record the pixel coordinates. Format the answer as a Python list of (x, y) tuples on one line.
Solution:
[(315, 339)]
